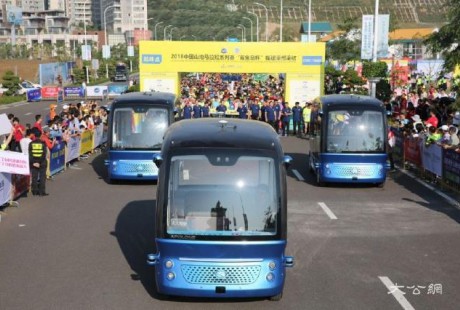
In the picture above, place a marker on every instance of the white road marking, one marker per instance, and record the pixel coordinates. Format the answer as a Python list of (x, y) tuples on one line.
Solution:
[(451, 200), (327, 210), (298, 175), (75, 167), (397, 293), (297, 211), (28, 113)]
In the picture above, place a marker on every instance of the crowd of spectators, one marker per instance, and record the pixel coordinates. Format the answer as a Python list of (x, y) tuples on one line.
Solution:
[(246, 96), (37, 140), (55, 126), (426, 112)]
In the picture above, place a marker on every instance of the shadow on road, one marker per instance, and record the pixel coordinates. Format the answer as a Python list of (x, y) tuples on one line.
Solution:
[(135, 231)]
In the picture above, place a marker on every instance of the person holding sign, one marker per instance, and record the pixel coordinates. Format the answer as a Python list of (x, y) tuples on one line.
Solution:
[(38, 163)]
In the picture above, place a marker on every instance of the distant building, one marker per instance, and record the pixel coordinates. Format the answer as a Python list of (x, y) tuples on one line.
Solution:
[(317, 30), (409, 42)]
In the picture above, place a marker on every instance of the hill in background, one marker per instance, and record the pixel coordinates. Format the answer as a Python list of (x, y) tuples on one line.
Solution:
[(218, 19)]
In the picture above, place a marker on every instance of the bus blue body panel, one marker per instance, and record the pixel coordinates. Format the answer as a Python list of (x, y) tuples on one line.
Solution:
[(351, 168), (220, 269), (132, 165)]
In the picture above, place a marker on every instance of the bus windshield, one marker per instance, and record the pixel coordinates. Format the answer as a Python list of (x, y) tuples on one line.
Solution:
[(139, 127), (222, 195), (355, 130)]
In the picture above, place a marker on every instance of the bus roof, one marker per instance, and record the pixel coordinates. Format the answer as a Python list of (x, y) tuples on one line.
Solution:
[(157, 98), (222, 133), (333, 100)]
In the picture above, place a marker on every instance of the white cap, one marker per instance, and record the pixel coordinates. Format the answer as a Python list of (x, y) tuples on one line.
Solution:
[(445, 127), (65, 106)]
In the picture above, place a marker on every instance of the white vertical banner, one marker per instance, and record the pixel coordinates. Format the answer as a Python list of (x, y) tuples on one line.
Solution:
[(130, 51), (367, 37), (382, 36), (105, 51), (86, 52)]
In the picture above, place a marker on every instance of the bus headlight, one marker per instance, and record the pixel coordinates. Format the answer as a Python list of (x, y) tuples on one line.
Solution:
[(270, 276), (272, 265), (114, 166), (169, 264), (327, 169), (170, 276)]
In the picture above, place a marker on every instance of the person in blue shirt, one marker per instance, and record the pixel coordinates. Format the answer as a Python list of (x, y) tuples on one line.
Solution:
[(255, 110), (205, 109), (187, 111), (296, 118), (270, 116), (262, 111), (242, 110), (196, 110), (222, 108), (278, 107), (286, 118)]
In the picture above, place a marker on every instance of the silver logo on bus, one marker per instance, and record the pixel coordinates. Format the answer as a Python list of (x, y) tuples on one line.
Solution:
[(221, 274)]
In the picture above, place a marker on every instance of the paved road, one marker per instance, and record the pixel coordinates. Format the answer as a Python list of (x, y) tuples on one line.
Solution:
[(84, 246)]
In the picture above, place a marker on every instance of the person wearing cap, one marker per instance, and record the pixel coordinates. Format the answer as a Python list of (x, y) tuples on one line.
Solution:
[(38, 163), (46, 138), (445, 139), (51, 114)]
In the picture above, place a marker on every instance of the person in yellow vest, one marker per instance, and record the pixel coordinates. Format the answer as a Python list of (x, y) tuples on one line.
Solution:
[(38, 165), (306, 118)]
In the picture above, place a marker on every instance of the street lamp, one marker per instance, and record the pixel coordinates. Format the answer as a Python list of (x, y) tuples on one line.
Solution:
[(242, 32), (374, 55), (257, 24), (147, 26), (105, 22), (171, 31), (164, 32), (155, 30), (266, 20), (309, 19), (250, 20), (86, 42), (281, 21)]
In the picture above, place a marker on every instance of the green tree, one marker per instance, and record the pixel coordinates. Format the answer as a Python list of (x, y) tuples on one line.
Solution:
[(11, 82), (343, 50), (445, 41)]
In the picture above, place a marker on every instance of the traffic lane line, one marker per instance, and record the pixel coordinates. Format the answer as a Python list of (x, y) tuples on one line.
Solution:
[(396, 292), (451, 200), (327, 210), (298, 175)]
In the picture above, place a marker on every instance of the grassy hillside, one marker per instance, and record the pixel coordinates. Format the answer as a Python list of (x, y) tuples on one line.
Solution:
[(219, 18)]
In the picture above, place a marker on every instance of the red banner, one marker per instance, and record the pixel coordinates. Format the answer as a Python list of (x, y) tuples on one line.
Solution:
[(50, 92), (20, 184), (412, 151)]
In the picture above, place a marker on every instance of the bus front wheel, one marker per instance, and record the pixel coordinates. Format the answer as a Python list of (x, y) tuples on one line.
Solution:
[(276, 297), (319, 182)]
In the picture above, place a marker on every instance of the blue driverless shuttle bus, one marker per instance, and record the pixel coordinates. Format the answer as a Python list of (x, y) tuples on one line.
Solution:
[(137, 124), (221, 215), (351, 145)]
